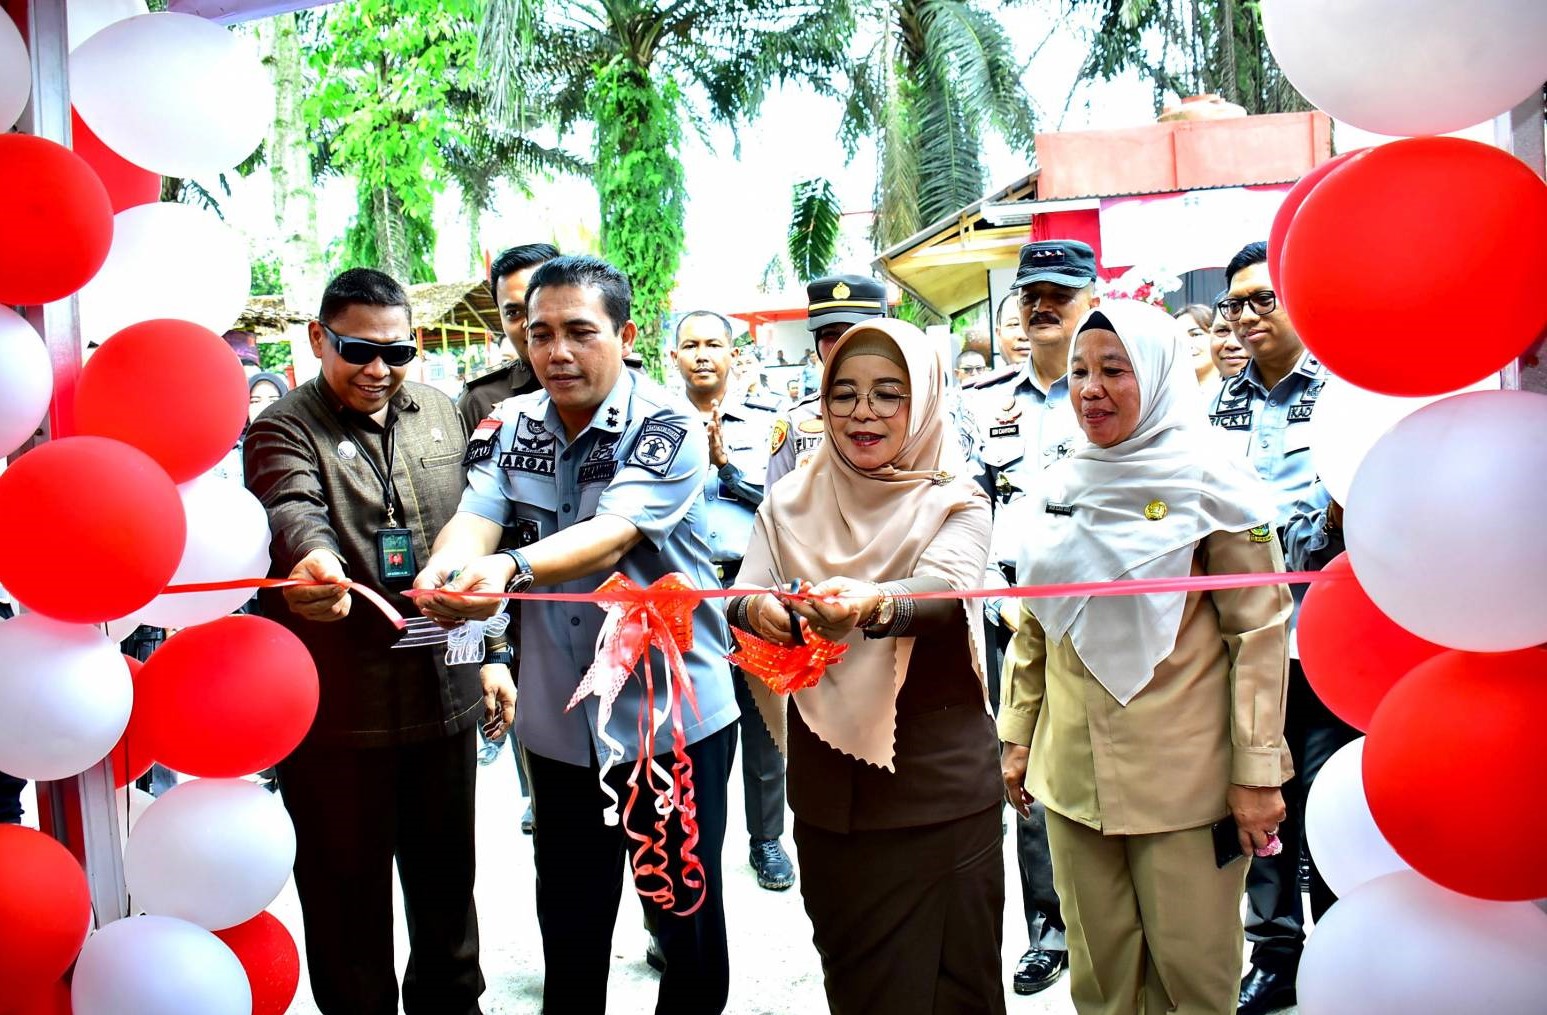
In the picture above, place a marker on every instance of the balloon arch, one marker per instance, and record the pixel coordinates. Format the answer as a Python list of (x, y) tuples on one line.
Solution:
[(1413, 269)]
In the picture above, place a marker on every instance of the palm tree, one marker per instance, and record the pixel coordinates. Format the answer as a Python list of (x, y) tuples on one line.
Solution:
[(1203, 46), (940, 74), (639, 70)]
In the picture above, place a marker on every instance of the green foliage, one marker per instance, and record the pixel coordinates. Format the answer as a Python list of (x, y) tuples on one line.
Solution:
[(274, 356), (386, 72), (814, 221), (639, 70), (265, 276), (1190, 47), (941, 74), (639, 184)]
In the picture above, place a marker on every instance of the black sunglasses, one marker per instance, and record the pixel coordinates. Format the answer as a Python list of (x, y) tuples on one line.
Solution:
[(362, 351)]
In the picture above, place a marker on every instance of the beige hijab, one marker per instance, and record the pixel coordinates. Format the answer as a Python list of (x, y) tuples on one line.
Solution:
[(832, 519)]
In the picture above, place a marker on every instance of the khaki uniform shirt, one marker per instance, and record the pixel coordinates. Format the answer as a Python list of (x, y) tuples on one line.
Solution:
[(307, 459), (1213, 715)]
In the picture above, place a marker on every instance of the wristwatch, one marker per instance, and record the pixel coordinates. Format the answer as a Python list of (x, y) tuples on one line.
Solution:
[(523, 578), (499, 657)]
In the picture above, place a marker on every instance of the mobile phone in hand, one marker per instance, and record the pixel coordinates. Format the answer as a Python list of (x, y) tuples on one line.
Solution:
[(1227, 842)]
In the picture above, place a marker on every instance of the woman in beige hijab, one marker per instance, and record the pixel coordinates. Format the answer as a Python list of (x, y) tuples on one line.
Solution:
[(892, 771), (1151, 726)]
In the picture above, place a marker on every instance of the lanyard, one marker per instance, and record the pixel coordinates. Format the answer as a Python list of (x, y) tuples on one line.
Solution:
[(388, 449)]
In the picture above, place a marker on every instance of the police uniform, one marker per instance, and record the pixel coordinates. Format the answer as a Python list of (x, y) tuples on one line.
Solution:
[(643, 457), (834, 299), (732, 494), (492, 387), (1024, 428), (1271, 428)]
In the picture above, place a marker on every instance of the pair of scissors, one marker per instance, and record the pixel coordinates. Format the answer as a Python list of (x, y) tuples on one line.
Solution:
[(796, 637)]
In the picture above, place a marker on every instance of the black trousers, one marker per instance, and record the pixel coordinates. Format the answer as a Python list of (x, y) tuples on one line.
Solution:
[(356, 810), (580, 862), (1033, 857), (762, 766), (1275, 917)]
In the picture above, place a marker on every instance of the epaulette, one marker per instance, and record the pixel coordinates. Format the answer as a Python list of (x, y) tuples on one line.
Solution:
[(764, 403)]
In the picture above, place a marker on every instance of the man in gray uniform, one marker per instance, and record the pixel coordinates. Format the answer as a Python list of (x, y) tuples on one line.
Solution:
[(601, 471), (1027, 424), (738, 431)]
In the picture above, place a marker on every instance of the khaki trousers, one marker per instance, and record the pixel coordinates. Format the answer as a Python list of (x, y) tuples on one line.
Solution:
[(1153, 926)]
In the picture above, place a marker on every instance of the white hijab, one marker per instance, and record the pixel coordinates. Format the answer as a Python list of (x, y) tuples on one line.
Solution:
[(1170, 459)]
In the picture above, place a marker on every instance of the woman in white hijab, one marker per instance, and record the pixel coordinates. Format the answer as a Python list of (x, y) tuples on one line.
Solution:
[(1151, 726), (892, 772)]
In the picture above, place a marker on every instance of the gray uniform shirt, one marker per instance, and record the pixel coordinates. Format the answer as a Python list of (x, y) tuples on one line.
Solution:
[(642, 458)]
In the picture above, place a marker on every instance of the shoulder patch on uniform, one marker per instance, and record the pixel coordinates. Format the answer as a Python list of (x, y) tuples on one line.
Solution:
[(657, 445), (1261, 534), (781, 430)]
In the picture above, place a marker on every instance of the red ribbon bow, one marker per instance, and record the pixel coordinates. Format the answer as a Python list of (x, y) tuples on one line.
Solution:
[(786, 668), (638, 619)]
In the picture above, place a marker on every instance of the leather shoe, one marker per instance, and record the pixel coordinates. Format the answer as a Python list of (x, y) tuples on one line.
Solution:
[(1038, 970), (1264, 990), (654, 957), (772, 864)]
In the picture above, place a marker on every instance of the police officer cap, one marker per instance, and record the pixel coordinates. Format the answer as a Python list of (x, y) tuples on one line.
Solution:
[(843, 299), (1062, 262)]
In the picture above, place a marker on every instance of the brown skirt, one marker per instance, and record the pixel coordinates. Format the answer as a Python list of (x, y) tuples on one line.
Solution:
[(908, 921)]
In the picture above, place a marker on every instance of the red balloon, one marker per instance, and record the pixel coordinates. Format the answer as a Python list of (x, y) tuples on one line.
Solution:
[(127, 184), (1286, 214), (171, 388), (131, 756), (1351, 651), (90, 529), (1375, 242), (53, 999), (268, 953), (227, 698), (45, 910), (58, 221), (1455, 769)]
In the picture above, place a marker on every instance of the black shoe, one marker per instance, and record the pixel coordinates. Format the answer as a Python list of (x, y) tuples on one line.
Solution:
[(528, 822), (1038, 970), (772, 864), (1264, 990), (654, 957)]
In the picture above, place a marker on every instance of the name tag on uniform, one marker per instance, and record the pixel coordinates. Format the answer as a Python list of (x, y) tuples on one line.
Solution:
[(1232, 420), (1300, 413), (1005, 430), (518, 461)]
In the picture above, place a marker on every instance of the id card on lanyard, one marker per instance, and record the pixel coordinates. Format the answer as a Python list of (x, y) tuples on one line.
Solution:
[(395, 564)]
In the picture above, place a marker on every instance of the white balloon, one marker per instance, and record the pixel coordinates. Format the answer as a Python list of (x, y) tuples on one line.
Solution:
[(88, 17), (1403, 944), (214, 852), (228, 537), (167, 260), (155, 965), (1418, 67), (122, 78), (1349, 420), (65, 697), (1440, 521), (15, 73), (1348, 848), (26, 376)]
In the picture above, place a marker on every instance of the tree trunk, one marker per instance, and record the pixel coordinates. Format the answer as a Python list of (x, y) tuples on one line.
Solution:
[(391, 235), (301, 268)]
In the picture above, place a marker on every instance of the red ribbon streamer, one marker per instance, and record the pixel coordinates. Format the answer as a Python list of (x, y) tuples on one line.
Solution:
[(639, 619)]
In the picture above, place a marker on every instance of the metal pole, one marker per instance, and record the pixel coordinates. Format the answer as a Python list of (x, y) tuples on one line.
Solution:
[(80, 812), (1521, 133)]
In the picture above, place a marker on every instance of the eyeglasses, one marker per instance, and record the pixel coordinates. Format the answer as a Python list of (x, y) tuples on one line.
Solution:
[(1263, 303), (362, 351), (883, 402)]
